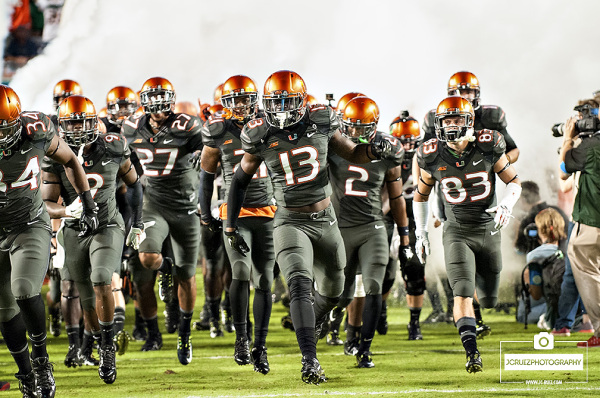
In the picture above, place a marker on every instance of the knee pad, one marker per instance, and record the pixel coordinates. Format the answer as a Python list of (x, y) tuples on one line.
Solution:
[(359, 290), (101, 276), (22, 289), (69, 290), (371, 287), (240, 271), (300, 289), (414, 278)]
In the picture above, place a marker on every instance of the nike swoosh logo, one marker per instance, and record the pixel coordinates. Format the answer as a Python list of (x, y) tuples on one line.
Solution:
[(475, 163), (332, 222), (378, 226), (105, 162), (23, 151), (310, 134), (192, 211), (494, 232), (168, 141)]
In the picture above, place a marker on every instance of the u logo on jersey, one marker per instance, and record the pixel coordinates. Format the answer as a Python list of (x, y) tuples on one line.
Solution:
[(293, 138)]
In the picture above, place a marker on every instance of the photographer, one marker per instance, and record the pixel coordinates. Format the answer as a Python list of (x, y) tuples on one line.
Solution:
[(584, 244)]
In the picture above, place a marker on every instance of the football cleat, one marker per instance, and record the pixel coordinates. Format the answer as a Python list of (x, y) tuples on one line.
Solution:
[(165, 287), (435, 317), (287, 323), (364, 360), (27, 385), (171, 313), (321, 327), (184, 349), (73, 359), (241, 353), (54, 321), (333, 338), (312, 373), (227, 318), (474, 363), (482, 330), (108, 367), (335, 320), (139, 333), (153, 343), (382, 323), (215, 329), (121, 340), (351, 347), (204, 322), (414, 331), (87, 356), (258, 356), (46, 387)]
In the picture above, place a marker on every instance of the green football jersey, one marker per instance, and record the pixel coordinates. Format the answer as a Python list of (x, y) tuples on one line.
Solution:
[(20, 172), (357, 187), (296, 157), (164, 156), (468, 182), (101, 165), (224, 134)]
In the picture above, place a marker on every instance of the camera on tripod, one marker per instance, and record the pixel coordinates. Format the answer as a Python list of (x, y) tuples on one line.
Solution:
[(587, 125)]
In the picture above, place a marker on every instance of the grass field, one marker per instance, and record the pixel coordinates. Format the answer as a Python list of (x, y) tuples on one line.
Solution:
[(431, 367)]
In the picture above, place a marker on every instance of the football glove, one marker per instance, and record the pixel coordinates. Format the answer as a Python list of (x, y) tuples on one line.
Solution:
[(137, 235), (195, 160), (88, 222), (213, 224), (422, 247), (237, 242), (75, 209), (381, 148), (405, 254), (502, 217)]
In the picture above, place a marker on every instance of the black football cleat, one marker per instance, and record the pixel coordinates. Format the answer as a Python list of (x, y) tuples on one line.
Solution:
[(87, 354), (482, 330), (241, 353), (474, 363), (153, 343), (215, 329), (27, 385), (333, 338), (184, 349), (165, 283), (435, 317), (321, 327), (73, 359), (54, 321), (414, 331), (364, 360), (122, 342), (108, 366), (351, 347), (46, 387), (204, 322), (312, 373), (258, 356), (382, 323)]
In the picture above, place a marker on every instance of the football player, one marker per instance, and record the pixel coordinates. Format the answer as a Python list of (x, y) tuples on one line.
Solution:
[(165, 142), (406, 129), (491, 117), (357, 200), (222, 143), (25, 138), (92, 261), (293, 140), (465, 163)]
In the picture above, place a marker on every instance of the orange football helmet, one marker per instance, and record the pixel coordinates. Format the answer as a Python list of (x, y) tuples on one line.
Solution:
[(466, 85), (63, 89), (10, 122), (186, 107), (406, 129), (311, 100), (240, 97), (452, 107), (284, 99), (121, 102), (344, 101), (217, 94), (77, 121), (157, 95), (102, 113), (360, 117)]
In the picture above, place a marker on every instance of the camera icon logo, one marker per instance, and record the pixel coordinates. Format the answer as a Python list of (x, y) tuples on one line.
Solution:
[(543, 341)]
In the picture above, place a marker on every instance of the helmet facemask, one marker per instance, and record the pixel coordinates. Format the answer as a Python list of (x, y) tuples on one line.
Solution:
[(157, 100), (456, 132), (243, 106), (120, 110), (410, 144), (10, 132), (467, 92), (283, 110), (79, 129), (358, 132)]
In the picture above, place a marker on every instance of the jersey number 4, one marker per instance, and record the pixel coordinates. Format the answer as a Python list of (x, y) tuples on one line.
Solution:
[(27, 177)]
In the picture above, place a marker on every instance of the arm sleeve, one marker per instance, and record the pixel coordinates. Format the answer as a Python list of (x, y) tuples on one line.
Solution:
[(206, 191), (237, 194), (135, 197)]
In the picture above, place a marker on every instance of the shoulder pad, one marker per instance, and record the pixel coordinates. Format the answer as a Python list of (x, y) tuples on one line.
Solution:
[(397, 150), (132, 123), (114, 143), (254, 132), (323, 115), (493, 117), (429, 125), (490, 141), (37, 126), (183, 124), (427, 152), (214, 127)]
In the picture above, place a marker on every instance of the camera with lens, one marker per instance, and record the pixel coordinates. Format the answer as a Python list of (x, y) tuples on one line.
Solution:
[(587, 125)]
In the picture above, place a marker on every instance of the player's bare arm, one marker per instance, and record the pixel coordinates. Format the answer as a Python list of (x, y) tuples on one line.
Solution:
[(355, 153), (424, 186), (60, 152), (506, 171), (51, 194)]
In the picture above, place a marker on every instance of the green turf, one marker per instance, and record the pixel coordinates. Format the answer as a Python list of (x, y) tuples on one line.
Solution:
[(432, 367)]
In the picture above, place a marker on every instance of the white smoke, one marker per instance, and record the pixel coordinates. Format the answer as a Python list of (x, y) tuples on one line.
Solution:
[(534, 58)]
